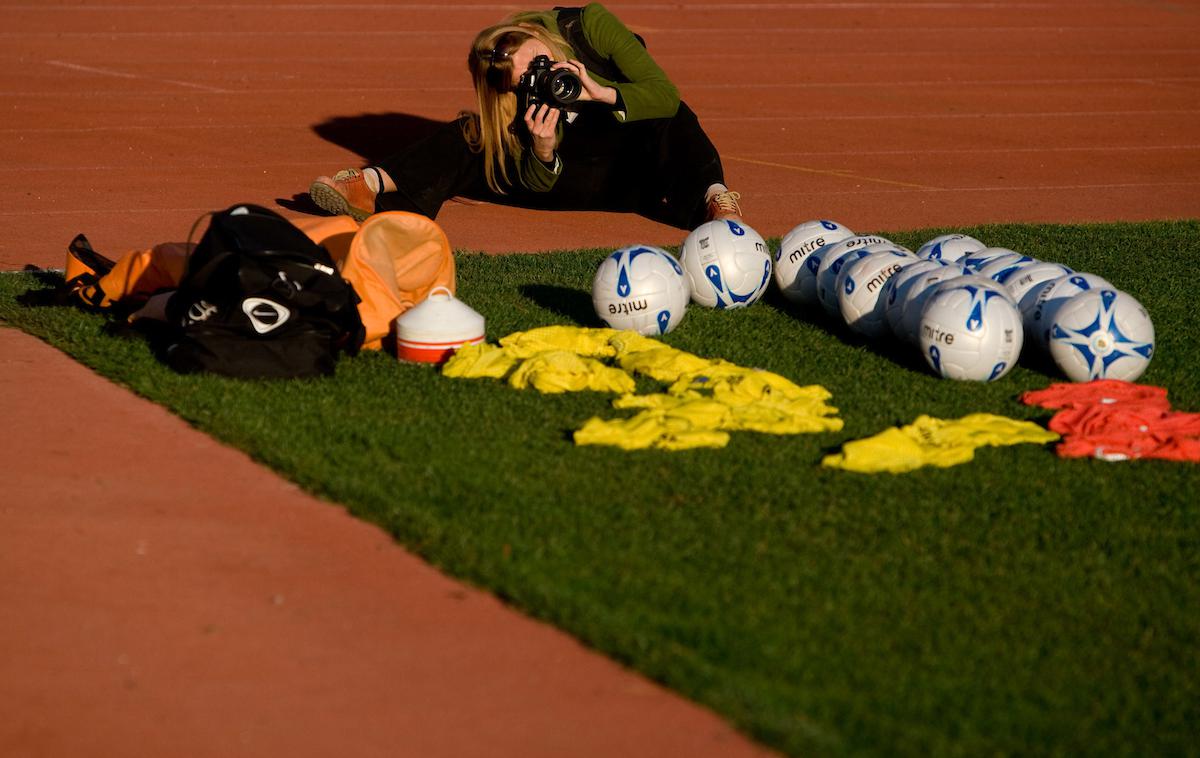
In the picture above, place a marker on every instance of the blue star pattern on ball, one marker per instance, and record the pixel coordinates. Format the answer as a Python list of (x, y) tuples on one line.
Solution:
[(1101, 342), (979, 299), (623, 287)]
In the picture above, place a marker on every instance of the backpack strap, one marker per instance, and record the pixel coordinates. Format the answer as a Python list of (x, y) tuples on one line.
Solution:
[(570, 25)]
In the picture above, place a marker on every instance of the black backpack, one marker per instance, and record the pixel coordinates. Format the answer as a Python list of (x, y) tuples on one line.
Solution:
[(259, 299)]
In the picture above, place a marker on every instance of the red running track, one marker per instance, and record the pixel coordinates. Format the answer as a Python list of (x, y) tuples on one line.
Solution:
[(214, 610)]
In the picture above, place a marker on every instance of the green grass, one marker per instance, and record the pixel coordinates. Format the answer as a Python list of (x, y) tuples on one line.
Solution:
[(1016, 604)]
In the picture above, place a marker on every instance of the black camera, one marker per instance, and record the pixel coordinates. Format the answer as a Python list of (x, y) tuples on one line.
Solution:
[(541, 85)]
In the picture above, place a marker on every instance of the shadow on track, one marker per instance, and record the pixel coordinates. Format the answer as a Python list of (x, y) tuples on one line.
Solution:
[(371, 136)]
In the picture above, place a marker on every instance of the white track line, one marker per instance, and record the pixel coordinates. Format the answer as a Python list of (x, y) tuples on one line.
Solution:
[(124, 75), (955, 116), (162, 127), (822, 193), (109, 95), (507, 8), (174, 167), (1023, 188), (757, 156), (973, 151), (953, 83), (1181, 81), (1174, 83), (1106, 53), (1056, 187), (791, 31), (102, 211), (181, 166), (706, 119)]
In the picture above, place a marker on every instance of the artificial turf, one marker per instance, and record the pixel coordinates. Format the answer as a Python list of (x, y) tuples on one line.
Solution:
[(1019, 603)]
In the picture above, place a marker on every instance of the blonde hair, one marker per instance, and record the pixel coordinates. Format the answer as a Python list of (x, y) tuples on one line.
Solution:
[(490, 63)]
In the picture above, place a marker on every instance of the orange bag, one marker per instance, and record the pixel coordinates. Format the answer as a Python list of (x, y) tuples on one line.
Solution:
[(130, 280), (393, 261)]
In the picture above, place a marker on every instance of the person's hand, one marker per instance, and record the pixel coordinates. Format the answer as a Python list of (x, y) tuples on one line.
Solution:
[(592, 90), (542, 122)]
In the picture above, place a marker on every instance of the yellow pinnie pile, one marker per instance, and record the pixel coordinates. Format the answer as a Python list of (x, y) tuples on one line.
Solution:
[(705, 398), (930, 441)]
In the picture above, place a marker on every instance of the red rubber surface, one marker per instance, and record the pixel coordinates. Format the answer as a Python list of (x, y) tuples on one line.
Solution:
[(193, 603)]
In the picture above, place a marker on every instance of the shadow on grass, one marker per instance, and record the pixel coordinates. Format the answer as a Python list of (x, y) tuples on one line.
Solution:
[(52, 294), (571, 303), (889, 347)]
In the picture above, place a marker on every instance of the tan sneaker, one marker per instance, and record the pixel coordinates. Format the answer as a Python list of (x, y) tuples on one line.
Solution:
[(344, 194), (724, 205)]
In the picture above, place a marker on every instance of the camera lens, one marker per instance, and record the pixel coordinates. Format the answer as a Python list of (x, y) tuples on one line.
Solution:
[(565, 87)]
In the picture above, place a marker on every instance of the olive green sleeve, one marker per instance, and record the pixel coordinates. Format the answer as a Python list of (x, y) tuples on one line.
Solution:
[(535, 175), (648, 93)]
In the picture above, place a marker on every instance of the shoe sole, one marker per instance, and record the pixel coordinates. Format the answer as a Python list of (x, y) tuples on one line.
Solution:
[(328, 199)]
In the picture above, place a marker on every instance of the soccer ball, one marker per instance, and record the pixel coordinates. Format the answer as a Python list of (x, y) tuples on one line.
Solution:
[(860, 290), (726, 263), (923, 288), (949, 247), (1038, 306), (910, 318), (886, 246), (827, 279), (1020, 281), (831, 264), (980, 258), (804, 285), (640, 288), (897, 287), (1004, 266), (796, 248), (1101, 334), (970, 332)]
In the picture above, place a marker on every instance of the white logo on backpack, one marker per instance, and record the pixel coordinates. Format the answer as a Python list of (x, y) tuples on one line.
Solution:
[(265, 315), (200, 311)]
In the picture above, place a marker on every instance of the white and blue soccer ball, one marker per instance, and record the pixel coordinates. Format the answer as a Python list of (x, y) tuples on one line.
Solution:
[(970, 332), (919, 292), (888, 245), (980, 258), (1039, 305), (949, 247), (641, 288), (832, 260), (1020, 281), (860, 287), (827, 279), (1101, 333), (803, 290), (795, 249), (897, 287), (1002, 267), (727, 264)]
